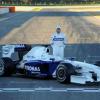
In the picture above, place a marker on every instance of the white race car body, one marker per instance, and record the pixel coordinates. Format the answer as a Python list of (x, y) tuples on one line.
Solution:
[(86, 72), (38, 61)]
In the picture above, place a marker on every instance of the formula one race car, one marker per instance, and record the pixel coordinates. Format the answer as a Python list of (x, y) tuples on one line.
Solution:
[(37, 61)]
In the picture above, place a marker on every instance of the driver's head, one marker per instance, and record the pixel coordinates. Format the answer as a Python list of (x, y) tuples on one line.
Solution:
[(58, 29)]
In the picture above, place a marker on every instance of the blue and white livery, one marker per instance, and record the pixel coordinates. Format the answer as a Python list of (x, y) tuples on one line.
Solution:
[(38, 62)]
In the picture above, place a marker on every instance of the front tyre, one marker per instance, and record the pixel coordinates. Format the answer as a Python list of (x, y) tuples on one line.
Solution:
[(64, 72)]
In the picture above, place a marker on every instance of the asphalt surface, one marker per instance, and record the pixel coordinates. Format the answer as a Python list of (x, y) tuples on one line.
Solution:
[(18, 87), (22, 81), (16, 27), (13, 20), (27, 27)]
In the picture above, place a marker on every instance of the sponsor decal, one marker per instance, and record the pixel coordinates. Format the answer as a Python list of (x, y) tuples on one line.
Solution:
[(58, 39), (20, 45), (32, 68)]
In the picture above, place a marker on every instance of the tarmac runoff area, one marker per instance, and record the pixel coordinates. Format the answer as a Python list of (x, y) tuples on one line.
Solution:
[(19, 87), (80, 24)]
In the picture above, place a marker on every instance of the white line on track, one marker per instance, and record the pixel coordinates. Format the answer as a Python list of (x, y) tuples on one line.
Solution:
[(26, 90), (11, 89), (75, 89), (3, 19), (43, 89), (39, 89), (59, 90), (0, 90)]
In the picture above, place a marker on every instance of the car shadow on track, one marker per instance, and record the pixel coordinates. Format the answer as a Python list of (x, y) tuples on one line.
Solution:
[(19, 79)]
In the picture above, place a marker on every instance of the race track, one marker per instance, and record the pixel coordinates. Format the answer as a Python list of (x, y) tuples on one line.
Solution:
[(19, 87), (37, 26)]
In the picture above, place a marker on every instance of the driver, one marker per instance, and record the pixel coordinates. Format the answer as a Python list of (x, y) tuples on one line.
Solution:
[(58, 42)]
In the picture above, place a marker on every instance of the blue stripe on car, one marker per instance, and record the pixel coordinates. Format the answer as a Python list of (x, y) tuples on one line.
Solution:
[(48, 68)]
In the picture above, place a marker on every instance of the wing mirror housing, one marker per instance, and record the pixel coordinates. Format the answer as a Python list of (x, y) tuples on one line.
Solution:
[(72, 58)]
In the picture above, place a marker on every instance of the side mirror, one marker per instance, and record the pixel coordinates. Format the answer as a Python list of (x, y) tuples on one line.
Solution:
[(53, 59), (72, 58)]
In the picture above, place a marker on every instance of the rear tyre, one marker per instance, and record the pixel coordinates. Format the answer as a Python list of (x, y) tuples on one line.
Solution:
[(6, 67), (63, 73)]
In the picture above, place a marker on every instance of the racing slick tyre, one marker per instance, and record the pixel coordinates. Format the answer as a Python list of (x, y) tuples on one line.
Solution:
[(63, 73), (6, 67)]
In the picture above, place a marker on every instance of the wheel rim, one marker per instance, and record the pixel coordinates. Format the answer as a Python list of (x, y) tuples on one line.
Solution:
[(1, 67), (61, 74)]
